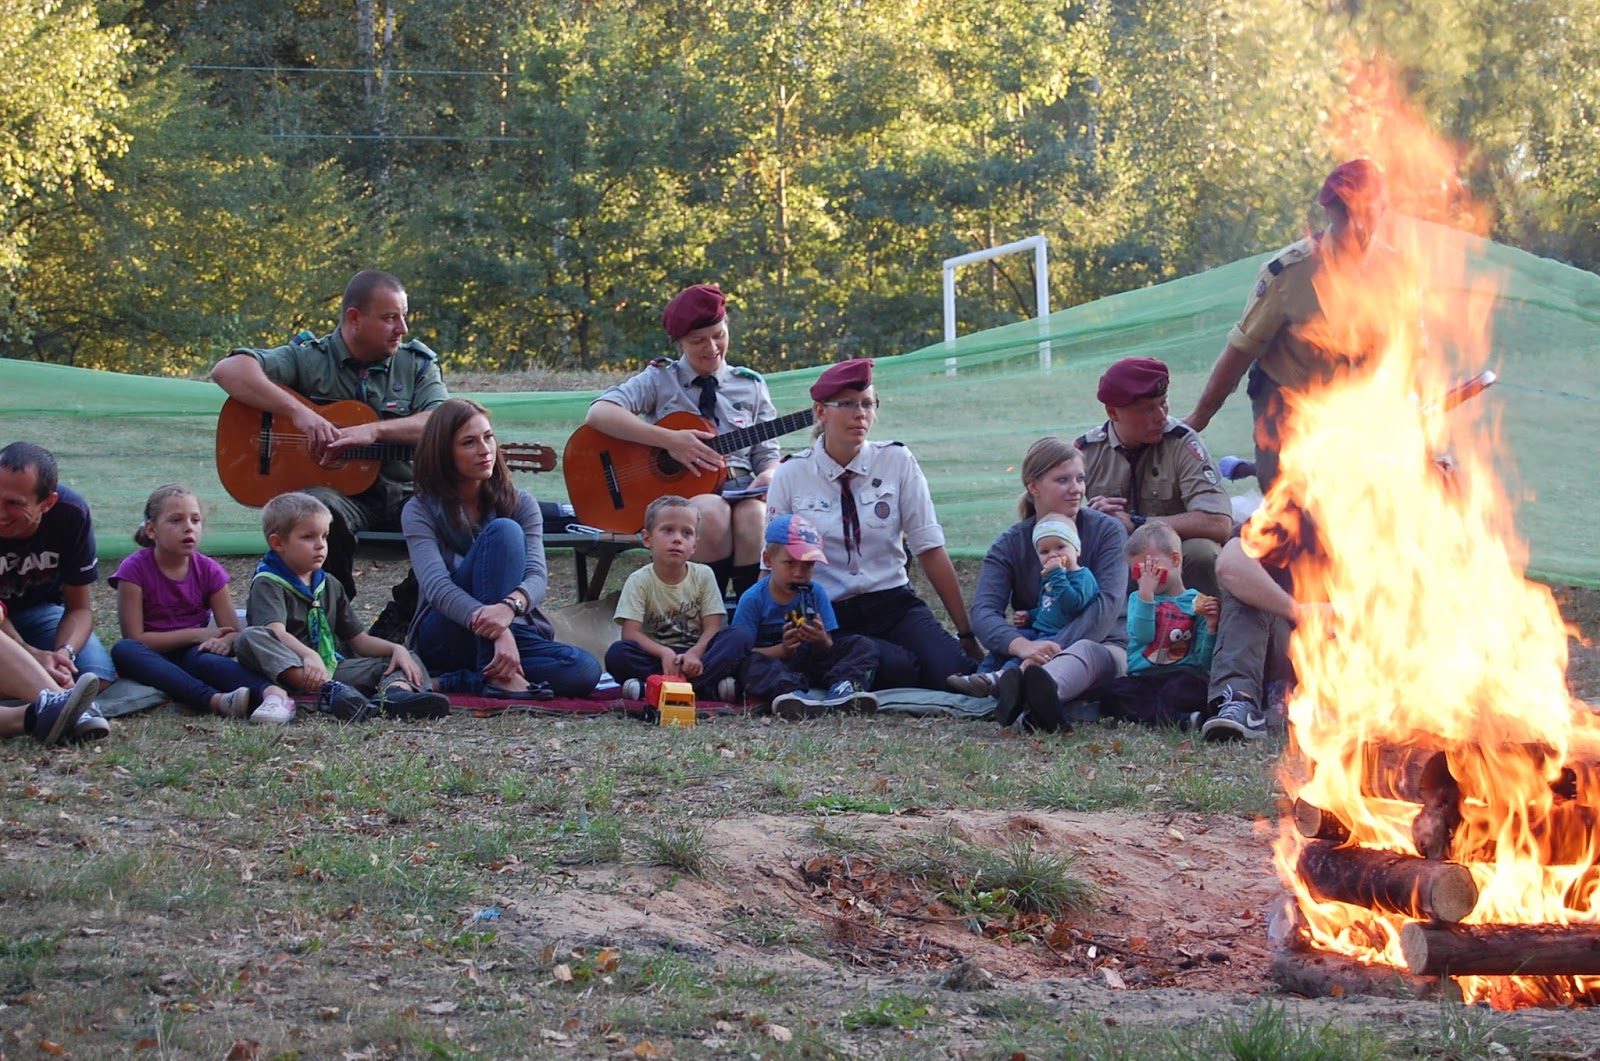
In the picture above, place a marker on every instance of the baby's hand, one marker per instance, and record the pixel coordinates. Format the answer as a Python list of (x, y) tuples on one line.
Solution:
[(1051, 563), (1150, 575), (1210, 608), (1019, 618)]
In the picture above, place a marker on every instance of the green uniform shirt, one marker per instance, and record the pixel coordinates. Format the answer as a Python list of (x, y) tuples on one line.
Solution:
[(323, 371), (1174, 475)]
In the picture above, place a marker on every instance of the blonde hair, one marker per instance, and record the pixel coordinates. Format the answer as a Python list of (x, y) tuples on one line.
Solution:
[(1043, 455), (1153, 537), (653, 511), (152, 510), (287, 511)]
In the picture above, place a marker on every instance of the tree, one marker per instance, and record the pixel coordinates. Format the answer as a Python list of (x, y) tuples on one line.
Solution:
[(60, 73)]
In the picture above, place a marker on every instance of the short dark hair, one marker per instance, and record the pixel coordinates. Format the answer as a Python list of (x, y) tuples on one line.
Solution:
[(20, 456), (362, 286)]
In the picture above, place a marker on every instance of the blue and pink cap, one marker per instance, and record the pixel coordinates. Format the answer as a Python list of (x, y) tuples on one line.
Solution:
[(798, 535)]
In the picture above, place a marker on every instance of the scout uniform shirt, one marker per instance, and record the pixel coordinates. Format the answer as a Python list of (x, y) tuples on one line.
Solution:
[(323, 371), (1174, 475), (1286, 300), (892, 504), (668, 386)]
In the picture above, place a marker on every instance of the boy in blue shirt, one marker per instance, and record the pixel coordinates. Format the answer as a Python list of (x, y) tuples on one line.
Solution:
[(792, 622), (1172, 632)]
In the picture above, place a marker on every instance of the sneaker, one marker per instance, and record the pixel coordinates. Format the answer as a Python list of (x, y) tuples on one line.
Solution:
[(1278, 696), (1009, 690), (236, 704), (274, 711), (633, 689), (55, 714), (92, 725), (395, 702), (979, 684), (1041, 703), (843, 696), (728, 690), (796, 707), (1190, 723), (344, 703), (1238, 718)]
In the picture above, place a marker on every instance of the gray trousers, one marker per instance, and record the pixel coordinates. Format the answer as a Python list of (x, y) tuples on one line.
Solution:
[(1086, 665), (1246, 636), (1200, 565), (260, 650)]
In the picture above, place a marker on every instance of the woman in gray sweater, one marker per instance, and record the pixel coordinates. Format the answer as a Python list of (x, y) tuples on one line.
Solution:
[(1092, 648), (477, 546)]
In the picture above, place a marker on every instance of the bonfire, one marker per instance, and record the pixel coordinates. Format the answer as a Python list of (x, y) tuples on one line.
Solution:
[(1445, 780)]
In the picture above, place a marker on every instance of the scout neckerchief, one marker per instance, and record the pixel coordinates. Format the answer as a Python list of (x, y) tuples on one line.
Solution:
[(274, 569)]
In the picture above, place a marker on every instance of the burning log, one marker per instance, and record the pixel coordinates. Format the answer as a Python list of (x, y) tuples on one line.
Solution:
[(1501, 950), (1388, 881), (1315, 823), (1407, 773), (1434, 827), (1334, 976)]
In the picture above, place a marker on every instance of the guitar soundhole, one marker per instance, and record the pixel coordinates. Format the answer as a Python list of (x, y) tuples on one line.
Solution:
[(666, 467)]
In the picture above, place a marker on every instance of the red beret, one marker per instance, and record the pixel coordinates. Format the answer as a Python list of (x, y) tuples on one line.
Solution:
[(699, 306), (1132, 379), (852, 375), (1356, 184)]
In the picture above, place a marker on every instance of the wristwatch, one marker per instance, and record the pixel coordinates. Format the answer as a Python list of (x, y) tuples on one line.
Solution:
[(1136, 518), (72, 653)]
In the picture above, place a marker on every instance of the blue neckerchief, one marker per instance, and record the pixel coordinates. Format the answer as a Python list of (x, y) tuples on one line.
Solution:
[(321, 629)]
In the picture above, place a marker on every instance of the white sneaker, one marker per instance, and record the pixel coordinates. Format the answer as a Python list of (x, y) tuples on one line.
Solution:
[(92, 725), (274, 710), (633, 689), (728, 690)]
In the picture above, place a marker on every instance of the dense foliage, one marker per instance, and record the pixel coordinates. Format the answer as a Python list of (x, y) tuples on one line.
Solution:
[(183, 175)]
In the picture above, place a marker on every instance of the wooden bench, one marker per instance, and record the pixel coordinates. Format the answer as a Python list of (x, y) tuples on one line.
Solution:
[(601, 546)]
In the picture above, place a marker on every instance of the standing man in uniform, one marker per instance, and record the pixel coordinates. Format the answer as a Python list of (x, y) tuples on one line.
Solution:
[(1144, 463), (366, 358), (1282, 337), (701, 381)]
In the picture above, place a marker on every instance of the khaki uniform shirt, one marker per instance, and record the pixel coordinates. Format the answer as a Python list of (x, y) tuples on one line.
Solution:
[(668, 386), (323, 371), (1284, 313), (1174, 475)]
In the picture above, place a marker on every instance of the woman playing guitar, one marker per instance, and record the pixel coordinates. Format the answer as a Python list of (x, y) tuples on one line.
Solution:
[(701, 381)]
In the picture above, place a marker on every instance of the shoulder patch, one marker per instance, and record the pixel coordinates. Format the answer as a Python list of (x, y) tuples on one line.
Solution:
[(747, 373), (797, 453), (900, 444), (1197, 448), (1275, 266), (1080, 441), (660, 362), (421, 350), (1261, 286)]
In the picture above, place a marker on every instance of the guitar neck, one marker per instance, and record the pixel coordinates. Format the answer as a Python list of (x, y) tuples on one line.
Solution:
[(380, 451), (742, 437)]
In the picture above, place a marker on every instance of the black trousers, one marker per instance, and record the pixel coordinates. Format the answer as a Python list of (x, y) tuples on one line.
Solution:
[(851, 659), (914, 649)]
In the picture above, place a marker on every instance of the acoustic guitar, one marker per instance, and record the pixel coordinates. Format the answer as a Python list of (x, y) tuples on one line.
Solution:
[(260, 456), (611, 481)]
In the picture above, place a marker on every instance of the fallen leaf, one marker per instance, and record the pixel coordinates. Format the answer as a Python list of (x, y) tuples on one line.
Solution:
[(439, 1009), (54, 1049), (779, 1033), (606, 961), (245, 1050), (1113, 978), (563, 973), (328, 1012), (1175, 835), (646, 1049), (146, 1043)]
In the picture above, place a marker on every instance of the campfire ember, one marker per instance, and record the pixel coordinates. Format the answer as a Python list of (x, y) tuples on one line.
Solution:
[(1444, 779)]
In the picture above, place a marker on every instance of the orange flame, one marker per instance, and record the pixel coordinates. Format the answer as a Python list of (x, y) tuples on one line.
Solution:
[(1433, 638)]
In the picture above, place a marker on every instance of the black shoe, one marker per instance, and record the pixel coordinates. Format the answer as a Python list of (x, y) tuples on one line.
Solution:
[(394, 622), (1042, 709), (1009, 691), (394, 702), (344, 703)]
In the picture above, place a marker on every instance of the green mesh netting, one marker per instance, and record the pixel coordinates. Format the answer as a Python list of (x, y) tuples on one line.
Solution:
[(968, 410)]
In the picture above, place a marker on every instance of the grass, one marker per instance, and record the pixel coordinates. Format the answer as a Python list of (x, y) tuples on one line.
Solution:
[(191, 883)]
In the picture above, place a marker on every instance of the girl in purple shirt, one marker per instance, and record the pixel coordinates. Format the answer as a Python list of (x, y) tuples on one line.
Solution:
[(178, 621)]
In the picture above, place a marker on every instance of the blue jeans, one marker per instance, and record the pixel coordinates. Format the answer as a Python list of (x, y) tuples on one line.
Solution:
[(489, 571), (38, 624), (189, 676)]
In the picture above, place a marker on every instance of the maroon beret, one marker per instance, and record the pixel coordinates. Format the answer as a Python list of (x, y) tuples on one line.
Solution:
[(1356, 184), (699, 306), (1132, 379), (852, 375)]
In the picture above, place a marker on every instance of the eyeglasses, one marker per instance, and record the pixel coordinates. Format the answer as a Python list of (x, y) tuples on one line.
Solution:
[(865, 405)]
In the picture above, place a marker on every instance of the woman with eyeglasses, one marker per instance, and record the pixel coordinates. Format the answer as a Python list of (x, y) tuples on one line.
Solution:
[(870, 503)]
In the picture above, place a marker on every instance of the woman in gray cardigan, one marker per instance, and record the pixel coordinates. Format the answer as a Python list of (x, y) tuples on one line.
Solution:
[(1092, 648), (477, 546)]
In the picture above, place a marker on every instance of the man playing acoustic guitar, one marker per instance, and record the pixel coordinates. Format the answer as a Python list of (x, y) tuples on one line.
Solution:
[(366, 359), (701, 381)]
